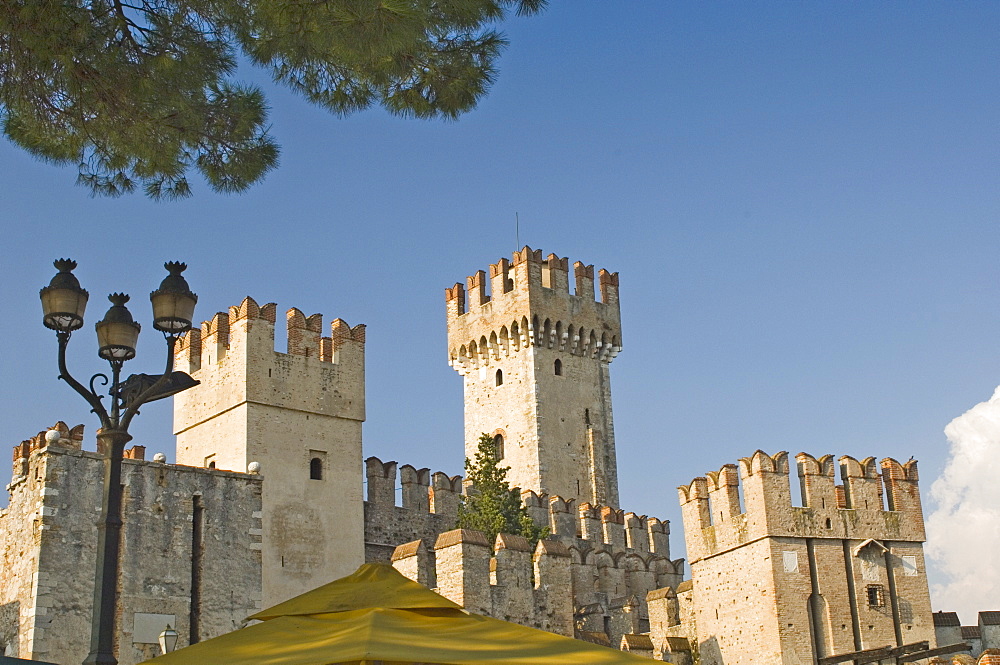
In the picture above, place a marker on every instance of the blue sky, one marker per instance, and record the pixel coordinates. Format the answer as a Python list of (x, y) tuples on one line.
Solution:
[(801, 199)]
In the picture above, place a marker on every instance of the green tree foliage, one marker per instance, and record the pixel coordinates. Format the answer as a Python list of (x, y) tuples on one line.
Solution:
[(491, 505), (139, 91)]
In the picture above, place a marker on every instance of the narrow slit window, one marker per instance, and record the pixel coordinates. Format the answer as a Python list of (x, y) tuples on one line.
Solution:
[(315, 469), (558, 367), (498, 446), (499, 377)]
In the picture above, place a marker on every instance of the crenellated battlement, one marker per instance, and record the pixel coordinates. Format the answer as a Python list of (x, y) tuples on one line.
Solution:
[(249, 328), (596, 537), (428, 506), (823, 562), (527, 272), (873, 500), (234, 358), (33, 452), (422, 491), (526, 303), (68, 439), (511, 580), (601, 526)]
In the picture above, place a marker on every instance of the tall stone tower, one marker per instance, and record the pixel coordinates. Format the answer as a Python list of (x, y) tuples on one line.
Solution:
[(298, 415), (777, 583), (534, 358)]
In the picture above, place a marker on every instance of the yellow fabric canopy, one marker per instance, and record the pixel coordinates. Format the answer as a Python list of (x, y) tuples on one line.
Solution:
[(390, 635), (371, 585)]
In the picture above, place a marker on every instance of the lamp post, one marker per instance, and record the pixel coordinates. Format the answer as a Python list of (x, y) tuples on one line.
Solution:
[(63, 305)]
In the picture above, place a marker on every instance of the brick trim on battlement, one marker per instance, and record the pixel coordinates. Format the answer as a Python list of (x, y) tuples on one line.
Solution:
[(69, 438), (478, 335), (869, 503), (213, 341)]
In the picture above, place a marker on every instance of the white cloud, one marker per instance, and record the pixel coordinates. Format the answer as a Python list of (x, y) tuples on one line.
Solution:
[(963, 533)]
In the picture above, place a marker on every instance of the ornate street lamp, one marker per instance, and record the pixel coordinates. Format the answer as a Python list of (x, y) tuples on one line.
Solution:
[(168, 640), (63, 305)]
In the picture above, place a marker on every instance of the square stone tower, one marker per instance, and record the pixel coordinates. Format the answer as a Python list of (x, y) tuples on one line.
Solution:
[(534, 358), (297, 415), (777, 583)]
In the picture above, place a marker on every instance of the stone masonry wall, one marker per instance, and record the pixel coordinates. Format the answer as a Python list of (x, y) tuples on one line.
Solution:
[(190, 550), (530, 586), (843, 572), (429, 507), (298, 414), (672, 624)]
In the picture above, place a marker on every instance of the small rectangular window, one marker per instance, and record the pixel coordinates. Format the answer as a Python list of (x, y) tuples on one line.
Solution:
[(876, 595), (909, 565)]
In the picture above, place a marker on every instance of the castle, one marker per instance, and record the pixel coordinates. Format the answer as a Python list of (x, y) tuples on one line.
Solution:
[(266, 501)]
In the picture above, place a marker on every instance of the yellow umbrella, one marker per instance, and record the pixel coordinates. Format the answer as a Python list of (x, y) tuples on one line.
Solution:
[(427, 629), (371, 585)]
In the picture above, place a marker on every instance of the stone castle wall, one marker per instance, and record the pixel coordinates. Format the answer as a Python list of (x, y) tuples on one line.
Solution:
[(567, 589), (599, 562), (519, 583), (843, 572), (603, 560), (191, 546), (429, 506)]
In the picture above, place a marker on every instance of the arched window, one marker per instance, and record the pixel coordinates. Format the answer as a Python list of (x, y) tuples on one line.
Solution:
[(498, 446), (315, 469), (499, 377), (558, 367), (211, 465)]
